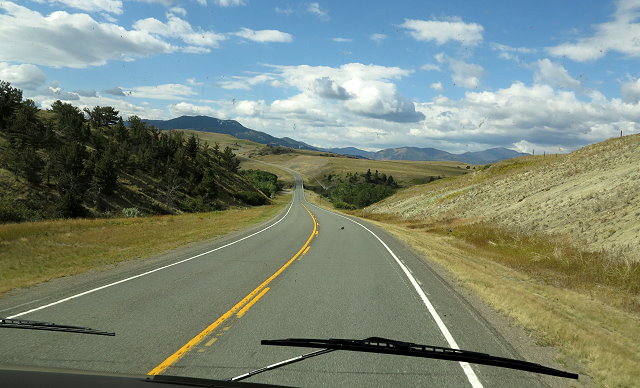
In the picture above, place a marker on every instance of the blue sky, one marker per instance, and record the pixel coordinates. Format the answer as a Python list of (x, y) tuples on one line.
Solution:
[(455, 75)]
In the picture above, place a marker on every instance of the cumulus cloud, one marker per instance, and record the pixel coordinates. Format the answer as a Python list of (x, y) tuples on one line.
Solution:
[(249, 108), (178, 28), (537, 114), (363, 90), (556, 75), (264, 36), (437, 86), (631, 91), (620, 35), (62, 39), (342, 40), (23, 76), (466, 75), (188, 109), (109, 6), (327, 88), (443, 31)]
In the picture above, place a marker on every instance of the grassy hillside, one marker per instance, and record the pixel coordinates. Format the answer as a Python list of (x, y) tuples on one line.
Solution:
[(551, 242), (316, 166), (240, 147), (589, 197)]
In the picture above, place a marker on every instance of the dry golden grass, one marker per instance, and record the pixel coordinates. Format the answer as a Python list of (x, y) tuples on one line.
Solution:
[(35, 252), (588, 195), (595, 325)]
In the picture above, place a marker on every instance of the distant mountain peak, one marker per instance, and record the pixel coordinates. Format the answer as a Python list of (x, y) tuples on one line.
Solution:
[(229, 127), (491, 155)]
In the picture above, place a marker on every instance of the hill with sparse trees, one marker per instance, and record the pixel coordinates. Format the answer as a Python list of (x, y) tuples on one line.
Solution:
[(65, 162)]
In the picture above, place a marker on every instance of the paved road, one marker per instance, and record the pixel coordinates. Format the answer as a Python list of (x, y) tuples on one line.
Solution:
[(310, 273)]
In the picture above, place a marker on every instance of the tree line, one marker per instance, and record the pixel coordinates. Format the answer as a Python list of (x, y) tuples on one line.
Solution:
[(72, 160), (359, 190)]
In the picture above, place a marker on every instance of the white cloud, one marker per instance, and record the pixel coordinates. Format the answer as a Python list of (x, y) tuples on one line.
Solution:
[(246, 83), (437, 86), (285, 11), (109, 6), (229, 3), (187, 109), (378, 38), (362, 90), (430, 67), (160, 92), (342, 40), (178, 11), (264, 36), (556, 75), (537, 114), (621, 35), (631, 91), (178, 28), (441, 32), (510, 53), (314, 8), (249, 108), (194, 82), (466, 75), (27, 36), (22, 76), (327, 88)]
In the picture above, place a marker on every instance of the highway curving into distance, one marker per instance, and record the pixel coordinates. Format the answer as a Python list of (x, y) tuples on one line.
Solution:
[(202, 310)]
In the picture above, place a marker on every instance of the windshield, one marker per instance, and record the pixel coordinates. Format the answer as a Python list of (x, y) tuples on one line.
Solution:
[(197, 176)]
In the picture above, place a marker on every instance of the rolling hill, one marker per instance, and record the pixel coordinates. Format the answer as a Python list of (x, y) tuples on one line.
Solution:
[(587, 195), (229, 127)]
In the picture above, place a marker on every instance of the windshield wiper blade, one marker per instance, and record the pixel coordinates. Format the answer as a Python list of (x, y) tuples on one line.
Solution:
[(38, 325), (387, 346)]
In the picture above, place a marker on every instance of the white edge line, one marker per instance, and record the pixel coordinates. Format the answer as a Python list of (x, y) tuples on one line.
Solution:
[(152, 271), (468, 371)]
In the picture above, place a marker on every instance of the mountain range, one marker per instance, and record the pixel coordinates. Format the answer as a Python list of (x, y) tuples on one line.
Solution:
[(491, 155), (234, 128)]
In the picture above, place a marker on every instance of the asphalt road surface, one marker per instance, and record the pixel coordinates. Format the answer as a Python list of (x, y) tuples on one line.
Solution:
[(201, 311)]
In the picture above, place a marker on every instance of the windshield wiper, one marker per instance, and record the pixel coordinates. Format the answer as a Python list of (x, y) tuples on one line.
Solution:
[(387, 346), (37, 325)]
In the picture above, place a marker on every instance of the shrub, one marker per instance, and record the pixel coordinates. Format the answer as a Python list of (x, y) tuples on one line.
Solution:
[(251, 198), (131, 212)]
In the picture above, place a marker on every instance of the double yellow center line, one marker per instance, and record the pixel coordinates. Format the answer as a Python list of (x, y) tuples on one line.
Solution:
[(244, 305)]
